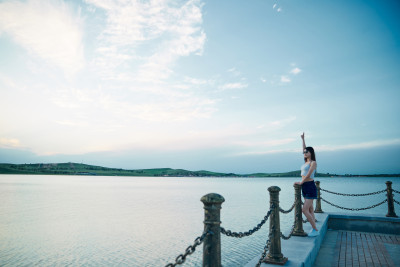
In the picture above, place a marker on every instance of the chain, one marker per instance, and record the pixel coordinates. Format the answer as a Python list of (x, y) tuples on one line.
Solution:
[(290, 235), (356, 209), (354, 195), (189, 250), (396, 201), (289, 210), (398, 192), (266, 248), (306, 220), (250, 232)]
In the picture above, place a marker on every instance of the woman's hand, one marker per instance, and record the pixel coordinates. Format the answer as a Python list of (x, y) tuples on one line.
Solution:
[(302, 136)]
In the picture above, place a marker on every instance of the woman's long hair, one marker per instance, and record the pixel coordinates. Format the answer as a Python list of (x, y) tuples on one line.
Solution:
[(309, 148)]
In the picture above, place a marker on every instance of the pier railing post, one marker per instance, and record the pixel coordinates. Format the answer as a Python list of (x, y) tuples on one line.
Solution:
[(298, 218), (275, 255), (318, 202), (212, 243), (389, 195)]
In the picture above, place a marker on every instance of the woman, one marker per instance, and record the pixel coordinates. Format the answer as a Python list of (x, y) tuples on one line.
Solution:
[(308, 187)]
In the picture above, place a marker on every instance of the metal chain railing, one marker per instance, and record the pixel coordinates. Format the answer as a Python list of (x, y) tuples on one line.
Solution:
[(289, 210), (189, 250), (290, 234), (266, 248), (250, 232), (354, 195), (354, 209), (394, 200), (306, 221)]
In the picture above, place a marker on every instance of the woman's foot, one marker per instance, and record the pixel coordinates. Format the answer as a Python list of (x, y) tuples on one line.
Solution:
[(313, 232)]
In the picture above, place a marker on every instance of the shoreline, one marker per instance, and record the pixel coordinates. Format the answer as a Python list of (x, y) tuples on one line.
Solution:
[(91, 170)]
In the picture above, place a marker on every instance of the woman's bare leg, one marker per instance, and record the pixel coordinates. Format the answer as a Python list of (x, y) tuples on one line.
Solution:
[(306, 211), (312, 212)]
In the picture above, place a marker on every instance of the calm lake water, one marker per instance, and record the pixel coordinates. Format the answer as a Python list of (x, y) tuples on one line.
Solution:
[(146, 221)]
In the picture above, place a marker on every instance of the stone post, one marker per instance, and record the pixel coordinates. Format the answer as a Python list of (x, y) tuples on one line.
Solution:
[(298, 218), (212, 243), (389, 195), (318, 202), (274, 254)]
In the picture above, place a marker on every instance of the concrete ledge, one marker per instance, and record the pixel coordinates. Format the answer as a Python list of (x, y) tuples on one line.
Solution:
[(301, 251), (366, 223)]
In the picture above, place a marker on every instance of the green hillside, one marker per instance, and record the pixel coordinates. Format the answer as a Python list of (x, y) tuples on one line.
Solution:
[(84, 169)]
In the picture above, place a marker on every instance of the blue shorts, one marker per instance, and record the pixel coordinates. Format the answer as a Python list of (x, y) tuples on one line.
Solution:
[(309, 190)]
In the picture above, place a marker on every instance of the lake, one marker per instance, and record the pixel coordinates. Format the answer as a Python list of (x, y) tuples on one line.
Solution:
[(147, 221)]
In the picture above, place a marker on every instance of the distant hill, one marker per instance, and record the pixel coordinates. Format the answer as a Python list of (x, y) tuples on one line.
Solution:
[(71, 168), (84, 169)]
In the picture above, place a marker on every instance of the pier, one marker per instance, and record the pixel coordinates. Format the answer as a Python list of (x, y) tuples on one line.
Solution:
[(349, 248), (343, 240)]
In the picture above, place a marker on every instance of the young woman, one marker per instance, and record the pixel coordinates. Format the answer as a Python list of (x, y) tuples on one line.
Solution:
[(308, 187)]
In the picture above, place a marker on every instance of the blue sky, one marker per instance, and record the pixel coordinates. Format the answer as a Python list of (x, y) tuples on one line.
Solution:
[(218, 85)]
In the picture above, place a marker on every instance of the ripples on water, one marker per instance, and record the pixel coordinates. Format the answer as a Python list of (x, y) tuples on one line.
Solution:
[(146, 221)]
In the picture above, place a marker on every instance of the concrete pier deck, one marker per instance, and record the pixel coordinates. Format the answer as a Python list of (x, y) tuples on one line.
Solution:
[(344, 240), (301, 251)]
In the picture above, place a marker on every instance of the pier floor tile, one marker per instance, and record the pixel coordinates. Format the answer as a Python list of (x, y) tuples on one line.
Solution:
[(349, 248)]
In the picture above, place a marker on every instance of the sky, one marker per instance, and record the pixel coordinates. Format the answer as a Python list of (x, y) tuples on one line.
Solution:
[(224, 86)]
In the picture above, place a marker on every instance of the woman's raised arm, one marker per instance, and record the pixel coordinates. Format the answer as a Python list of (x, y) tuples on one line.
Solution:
[(304, 142)]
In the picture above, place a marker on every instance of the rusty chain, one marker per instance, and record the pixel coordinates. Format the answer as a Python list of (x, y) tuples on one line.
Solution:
[(189, 250), (250, 232), (306, 220), (355, 209), (289, 210), (266, 248), (290, 235), (354, 195)]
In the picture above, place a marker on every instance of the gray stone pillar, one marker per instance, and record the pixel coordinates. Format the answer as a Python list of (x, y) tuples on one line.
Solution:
[(275, 255), (212, 243)]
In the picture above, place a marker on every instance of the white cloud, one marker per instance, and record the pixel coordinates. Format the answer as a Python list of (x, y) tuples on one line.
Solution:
[(268, 143), (285, 79), (183, 110), (195, 81), (9, 142), (235, 72), (278, 9), (267, 148), (283, 122), (71, 123), (7, 82), (295, 71), (170, 31), (364, 145), (48, 30), (262, 152), (229, 86), (173, 106)]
